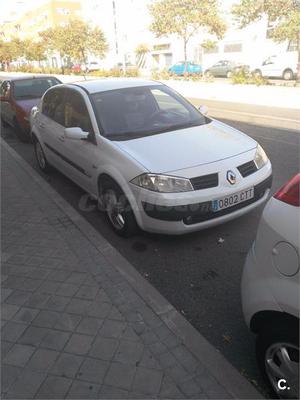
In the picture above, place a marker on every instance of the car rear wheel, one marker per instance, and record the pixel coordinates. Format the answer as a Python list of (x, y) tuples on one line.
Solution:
[(288, 75), (117, 208), (40, 157), (229, 74), (277, 352)]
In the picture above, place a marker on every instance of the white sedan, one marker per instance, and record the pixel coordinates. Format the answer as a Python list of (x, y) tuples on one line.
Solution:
[(150, 158), (271, 292)]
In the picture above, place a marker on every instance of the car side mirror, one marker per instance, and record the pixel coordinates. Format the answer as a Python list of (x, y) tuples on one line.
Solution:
[(203, 109), (76, 133)]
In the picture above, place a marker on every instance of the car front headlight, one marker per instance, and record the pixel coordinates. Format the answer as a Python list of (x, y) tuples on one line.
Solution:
[(163, 183), (260, 158)]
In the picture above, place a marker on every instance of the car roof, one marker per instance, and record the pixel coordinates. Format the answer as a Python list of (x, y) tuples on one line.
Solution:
[(103, 85), (23, 77)]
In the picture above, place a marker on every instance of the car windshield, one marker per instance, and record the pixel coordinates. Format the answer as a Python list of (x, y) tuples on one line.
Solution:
[(132, 113), (32, 88)]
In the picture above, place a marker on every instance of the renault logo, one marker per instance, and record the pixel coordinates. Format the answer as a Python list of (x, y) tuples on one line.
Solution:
[(231, 177)]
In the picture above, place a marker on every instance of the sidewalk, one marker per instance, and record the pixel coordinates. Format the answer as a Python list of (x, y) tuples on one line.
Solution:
[(78, 321)]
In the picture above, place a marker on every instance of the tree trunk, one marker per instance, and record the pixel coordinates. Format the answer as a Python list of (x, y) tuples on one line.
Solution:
[(298, 65), (185, 55)]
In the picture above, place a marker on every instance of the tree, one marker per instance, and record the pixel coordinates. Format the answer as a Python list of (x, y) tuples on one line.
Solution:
[(34, 51), (10, 50), (184, 18), (284, 13), (76, 40), (141, 51)]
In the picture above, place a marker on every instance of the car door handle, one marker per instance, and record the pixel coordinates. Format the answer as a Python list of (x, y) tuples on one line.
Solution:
[(41, 125), (61, 138)]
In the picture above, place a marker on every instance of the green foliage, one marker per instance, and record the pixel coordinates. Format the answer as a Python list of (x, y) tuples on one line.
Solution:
[(160, 75), (34, 51), (116, 73), (142, 49), (76, 40), (11, 51), (208, 44), (184, 18), (245, 77)]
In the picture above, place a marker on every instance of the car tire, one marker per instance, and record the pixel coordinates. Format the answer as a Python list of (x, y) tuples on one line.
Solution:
[(40, 156), (208, 74), (229, 74), (21, 135), (288, 75), (258, 73), (117, 209), (271, 343)]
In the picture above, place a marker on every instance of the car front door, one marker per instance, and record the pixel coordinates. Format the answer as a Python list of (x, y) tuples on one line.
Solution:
[(50, 124), (82, 155), (7, 112)]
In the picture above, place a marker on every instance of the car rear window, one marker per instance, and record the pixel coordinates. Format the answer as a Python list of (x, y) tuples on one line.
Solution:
[(32, 88)]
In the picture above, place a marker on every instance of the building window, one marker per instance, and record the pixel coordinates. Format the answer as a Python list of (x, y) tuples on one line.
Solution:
[(292, 46), (233, 48)]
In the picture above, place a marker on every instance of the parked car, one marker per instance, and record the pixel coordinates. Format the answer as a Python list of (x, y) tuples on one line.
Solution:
[(189, 68), (283, 66), (224, 68), (76, 68), (91, 66), (270, 290), (18, 95), (150, 158)]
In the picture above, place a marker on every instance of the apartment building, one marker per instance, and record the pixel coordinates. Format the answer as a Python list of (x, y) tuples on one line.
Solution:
[(37, 16)]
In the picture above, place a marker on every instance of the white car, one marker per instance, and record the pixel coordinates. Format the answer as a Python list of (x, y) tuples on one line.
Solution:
[(270, 290), (91, 66), (151, 158), (284, 66)]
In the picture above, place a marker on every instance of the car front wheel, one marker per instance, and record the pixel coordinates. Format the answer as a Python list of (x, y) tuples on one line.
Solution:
[(277, 352), (118, 210), (40, 157)]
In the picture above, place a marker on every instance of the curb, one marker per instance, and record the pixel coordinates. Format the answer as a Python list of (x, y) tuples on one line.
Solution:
[(234, 383)]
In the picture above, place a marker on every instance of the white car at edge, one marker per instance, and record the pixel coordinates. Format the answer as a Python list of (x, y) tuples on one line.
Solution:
[(271, 290), (151, 158)]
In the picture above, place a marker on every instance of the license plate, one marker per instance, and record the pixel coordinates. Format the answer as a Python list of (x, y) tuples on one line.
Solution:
[(233, 199)]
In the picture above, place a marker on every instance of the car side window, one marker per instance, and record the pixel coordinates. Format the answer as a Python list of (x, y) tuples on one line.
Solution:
[(54, 106), (76, 112), (5, 89)]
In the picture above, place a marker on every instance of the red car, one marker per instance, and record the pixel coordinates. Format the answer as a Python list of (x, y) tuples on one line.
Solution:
[(18, 95)]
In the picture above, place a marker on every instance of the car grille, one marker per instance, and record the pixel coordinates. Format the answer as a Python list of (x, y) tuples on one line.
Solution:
[(205, 181), (247, 169)]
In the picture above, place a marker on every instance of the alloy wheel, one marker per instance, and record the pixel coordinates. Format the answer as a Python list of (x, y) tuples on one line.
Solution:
[(114, 209), (282, 362)]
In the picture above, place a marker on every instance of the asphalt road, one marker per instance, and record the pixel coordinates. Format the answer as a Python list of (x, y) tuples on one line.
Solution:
[(199, 274)]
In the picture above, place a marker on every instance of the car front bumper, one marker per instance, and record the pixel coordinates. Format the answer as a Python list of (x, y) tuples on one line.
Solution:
[(178, 213)]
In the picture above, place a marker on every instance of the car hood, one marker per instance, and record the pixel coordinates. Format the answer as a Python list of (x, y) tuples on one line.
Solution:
[(185, 148), (27, 104)]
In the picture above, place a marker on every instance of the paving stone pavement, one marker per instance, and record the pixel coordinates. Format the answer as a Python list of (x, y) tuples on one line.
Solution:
[(72, 325)]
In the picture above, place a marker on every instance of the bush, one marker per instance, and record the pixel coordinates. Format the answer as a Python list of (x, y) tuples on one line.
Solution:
[(160, 75), (244, 77), (116, 73)]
